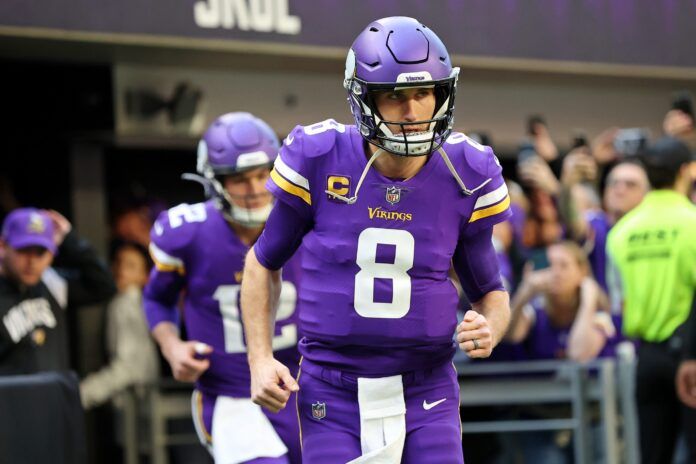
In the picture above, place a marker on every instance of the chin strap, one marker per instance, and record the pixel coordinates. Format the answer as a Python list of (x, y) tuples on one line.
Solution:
[(205, 182), (244, 216), (354, 198), (465, 190)]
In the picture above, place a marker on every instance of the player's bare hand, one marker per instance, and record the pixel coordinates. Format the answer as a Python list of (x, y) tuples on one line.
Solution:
[(474, 335), (187, 359), (271, 384), (686, 383), (61, 226)]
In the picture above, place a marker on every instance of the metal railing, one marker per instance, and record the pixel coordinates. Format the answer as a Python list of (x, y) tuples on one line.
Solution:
[(607, 384), (144, 423)]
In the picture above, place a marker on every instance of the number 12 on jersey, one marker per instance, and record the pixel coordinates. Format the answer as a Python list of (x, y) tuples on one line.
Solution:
[(228, 296), (404, 247)]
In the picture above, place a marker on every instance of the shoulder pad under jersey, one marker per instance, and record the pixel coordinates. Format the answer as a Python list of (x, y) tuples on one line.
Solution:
[(315, 139), (293, 173), (467, 155), (176, 227)]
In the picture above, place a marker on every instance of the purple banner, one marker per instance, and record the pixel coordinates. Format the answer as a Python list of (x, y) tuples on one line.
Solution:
[(639, 32)]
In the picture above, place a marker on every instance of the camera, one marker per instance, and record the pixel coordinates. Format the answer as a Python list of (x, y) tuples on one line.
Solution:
[(632, 141), (526, 152)]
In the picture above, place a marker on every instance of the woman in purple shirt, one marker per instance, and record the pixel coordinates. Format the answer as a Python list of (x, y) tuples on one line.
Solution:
[(560, 311)]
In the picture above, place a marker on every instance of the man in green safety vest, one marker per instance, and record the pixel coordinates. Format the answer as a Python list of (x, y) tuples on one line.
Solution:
[(652, 253)]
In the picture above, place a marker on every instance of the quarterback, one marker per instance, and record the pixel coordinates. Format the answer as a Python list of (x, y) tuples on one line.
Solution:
[(384, 208)]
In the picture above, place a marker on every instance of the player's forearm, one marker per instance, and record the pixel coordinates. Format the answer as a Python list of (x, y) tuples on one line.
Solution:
[(259, 297), (165, 334), (495, 307)]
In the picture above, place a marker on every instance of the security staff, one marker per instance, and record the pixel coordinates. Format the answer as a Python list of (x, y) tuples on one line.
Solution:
[(686, 376), (653, 255), (33, 296)]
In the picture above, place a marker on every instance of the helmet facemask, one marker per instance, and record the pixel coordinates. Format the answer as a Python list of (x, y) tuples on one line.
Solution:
[(393, 54), (214, 186), (404, 142)]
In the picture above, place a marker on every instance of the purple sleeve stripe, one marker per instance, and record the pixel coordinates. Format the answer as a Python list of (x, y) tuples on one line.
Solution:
[(290, 188), (490, 210)]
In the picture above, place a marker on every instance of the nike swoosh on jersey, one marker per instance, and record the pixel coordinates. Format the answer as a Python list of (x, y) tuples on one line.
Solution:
[(289, 139), (428, 406)]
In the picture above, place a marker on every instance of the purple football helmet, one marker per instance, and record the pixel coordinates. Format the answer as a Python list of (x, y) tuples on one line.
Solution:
[(235, 143), (393, 54)]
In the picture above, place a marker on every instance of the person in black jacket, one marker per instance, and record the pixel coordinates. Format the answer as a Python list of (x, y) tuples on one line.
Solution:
[(34, 295)]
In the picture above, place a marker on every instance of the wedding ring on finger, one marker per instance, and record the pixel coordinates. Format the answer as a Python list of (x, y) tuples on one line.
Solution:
[(476, 344)]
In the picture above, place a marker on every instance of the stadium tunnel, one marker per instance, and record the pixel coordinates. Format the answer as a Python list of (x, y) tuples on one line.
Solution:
[(101, 99)]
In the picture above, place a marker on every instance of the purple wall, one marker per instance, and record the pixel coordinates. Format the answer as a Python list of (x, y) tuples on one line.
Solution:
[(645, 32)]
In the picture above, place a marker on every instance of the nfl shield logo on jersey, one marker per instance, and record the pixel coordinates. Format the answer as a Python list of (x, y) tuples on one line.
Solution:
[(318, 410), (393, 195)]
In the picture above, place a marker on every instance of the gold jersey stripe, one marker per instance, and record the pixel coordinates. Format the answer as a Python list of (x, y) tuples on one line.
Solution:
[(199, 417), (490, 211), (290, 187), (167, 267)]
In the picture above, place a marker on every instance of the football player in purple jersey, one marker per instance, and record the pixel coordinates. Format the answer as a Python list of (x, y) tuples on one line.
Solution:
[(384, 208), (199, 252)]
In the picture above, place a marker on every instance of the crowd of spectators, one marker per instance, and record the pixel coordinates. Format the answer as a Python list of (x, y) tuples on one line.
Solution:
[(552, 254)]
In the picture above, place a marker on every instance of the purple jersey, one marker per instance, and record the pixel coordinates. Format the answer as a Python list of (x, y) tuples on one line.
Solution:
[(196, 250), (505, 264), (598, 223), (517, 220), (376, 298), (547, 341)]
